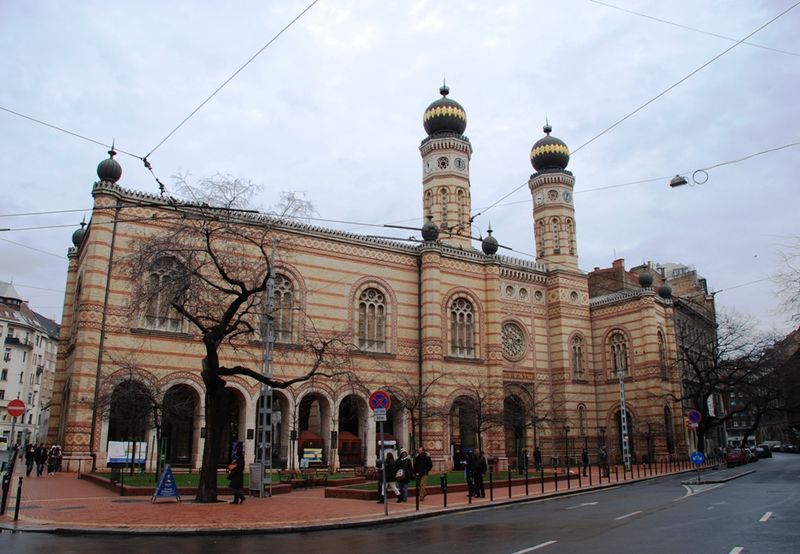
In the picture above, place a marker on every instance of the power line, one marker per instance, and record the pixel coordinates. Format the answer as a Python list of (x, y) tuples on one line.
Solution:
[(60, 257), (694, 29), (61, 129), (666, 90), (229, 79)]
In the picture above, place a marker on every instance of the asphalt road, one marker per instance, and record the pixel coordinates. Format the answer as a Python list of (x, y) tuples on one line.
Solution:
[(756, 513)]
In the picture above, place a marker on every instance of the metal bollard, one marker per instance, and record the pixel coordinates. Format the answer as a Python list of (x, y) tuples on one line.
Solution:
[(555, 474), (568, 476), (509, 482), (417, 493), (443, 485), (491, 484), (590, 475), (616, 473), (526, 480), (19, 498), (541, 478)]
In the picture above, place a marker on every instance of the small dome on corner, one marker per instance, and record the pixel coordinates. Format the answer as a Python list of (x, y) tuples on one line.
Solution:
[(645, 279), (79, 235), (489, 244), (430, 232), (665, 291)]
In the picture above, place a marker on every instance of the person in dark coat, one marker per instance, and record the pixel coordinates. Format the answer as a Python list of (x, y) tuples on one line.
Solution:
[(585, 460), (477, 470), (537, 458), (405, 466), (29, 451), (390, 479), (40, 457), (236, 475), (422, 466)]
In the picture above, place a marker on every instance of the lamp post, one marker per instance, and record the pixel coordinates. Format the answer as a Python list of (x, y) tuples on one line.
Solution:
[(566, 445)]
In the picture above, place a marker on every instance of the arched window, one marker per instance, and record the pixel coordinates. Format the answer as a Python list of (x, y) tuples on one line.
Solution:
[(164, 286), (577, 357), (461, 205), (540, 238), (662, 356), (372, 321), (443, 194), (462, 328), (570, 225), (582, 420), (282, 309), (619, 354), (76, 304), (556, 238), (428, 202)]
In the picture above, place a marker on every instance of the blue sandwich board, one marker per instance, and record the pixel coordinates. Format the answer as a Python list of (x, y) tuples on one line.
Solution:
[(166, 486)]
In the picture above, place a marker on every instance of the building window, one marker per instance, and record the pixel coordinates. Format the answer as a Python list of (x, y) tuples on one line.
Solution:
[(577, 357), (462, 328), (164, 286), (619, 354), (7, 355), (372, 321), (540, 238), (556, 238), (444, 208), (282, 309), (2, 394), (4, 375), (21, 376), (582, 420), (571, 236), (662, 356)]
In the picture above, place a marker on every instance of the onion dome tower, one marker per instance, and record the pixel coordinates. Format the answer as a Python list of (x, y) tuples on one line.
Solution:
[(109, 169), (489, 244), (553, 211), (79, 234), (446, 154)]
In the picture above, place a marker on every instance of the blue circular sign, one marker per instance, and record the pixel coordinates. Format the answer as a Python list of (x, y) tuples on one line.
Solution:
[(697, 458)]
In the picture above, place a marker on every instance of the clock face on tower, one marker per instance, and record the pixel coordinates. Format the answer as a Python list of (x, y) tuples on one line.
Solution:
[(567, 196), (539, 198), (428, 166), (460, 164)]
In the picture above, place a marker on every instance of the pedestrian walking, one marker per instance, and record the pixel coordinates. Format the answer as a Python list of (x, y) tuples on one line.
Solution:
[(403, 470), (40, 458), (29, 459), (391, 483), (478, 469), (537, 458), (585, 460), (53, 456), (236, 474), (422, 466), (602, 459)]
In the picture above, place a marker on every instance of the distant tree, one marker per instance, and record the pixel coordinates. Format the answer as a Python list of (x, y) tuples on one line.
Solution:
[(788, 279), (412, 397), (213, 266), (712, 367)]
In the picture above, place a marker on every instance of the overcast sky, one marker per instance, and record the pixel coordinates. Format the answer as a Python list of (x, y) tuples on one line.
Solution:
[(334, 108)]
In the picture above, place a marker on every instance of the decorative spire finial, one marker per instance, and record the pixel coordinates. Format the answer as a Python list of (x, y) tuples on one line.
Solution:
[(444, 90)]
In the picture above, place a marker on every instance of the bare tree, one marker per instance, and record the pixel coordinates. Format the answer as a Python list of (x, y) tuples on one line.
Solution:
[(412, 397), (480, 409), (788, 279), (212, 266), (712, 367)]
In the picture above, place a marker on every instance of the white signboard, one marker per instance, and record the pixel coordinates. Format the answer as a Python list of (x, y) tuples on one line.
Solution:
[(122, 452)]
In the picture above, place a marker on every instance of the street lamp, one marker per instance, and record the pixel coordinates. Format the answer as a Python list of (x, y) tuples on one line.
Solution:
[(678, 181)]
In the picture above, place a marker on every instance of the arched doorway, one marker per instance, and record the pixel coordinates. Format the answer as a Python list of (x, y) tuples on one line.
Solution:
[(130, 416), (277, 440), (229, 405), (463, 429), (351, 435), (313, 424), (177, 425), (514, 427)]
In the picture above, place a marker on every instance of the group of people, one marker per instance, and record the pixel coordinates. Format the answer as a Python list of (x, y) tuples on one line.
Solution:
[(400, 472), (40, 456), (475, 467)]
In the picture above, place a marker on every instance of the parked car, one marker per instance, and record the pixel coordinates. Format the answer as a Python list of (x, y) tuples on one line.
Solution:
[(763, 451), (735, 456), (751, 454)]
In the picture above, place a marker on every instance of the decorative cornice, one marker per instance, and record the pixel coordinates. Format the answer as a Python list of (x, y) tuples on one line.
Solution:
[(449, 141), (560, 177)]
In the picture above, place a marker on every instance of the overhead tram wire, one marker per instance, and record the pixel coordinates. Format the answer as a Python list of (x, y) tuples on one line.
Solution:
[(693, 29), (229, 79), (659, 95), (666, 90)]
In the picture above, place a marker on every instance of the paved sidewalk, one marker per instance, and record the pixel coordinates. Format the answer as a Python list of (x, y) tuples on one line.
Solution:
[(64, 503)]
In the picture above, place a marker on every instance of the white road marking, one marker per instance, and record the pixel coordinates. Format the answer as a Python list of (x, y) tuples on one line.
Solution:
[(532, 548), (581, 505), (691, 491), (737, 550), (765, 517), (629, 515)]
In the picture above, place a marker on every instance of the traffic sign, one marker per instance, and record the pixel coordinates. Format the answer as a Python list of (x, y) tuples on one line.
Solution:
[(16, 408), (694, 416), (691, 425), (380, 414), (697, 458), (380, 399)]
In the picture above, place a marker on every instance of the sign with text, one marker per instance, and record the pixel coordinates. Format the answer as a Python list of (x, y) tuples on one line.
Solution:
[(123, 452), (167, 488)]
